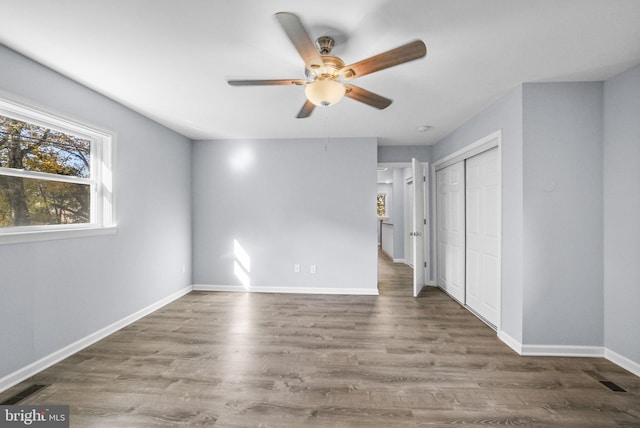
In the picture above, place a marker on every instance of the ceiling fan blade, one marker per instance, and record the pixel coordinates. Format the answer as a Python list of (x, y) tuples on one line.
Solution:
[(306, 110), (405, 53), (369, 98), (300, 39), (273, 82)]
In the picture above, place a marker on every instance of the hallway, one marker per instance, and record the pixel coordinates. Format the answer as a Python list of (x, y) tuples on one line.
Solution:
[(394, 279)]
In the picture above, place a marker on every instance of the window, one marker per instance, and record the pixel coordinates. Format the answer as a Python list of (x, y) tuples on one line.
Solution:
[(55, 175)]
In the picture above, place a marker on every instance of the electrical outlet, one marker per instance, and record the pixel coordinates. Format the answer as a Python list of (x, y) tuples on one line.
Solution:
[(296, 268), (313, 269)]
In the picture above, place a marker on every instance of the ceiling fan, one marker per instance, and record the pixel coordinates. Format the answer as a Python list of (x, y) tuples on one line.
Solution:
[(327, 76)]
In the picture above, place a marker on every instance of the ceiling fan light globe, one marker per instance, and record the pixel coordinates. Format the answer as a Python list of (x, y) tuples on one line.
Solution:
[(325, 92)]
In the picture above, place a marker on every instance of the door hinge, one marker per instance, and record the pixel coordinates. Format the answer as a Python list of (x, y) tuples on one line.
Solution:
[(425, 264), (425, 221)]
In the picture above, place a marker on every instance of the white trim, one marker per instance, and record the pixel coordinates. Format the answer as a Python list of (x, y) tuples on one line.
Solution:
[(295, 290), (46, 176), (500, 210), (399, 261), (426, 212), (210, 287), (50, 235), (482, 145), (562, 351), (65, 352), (386, 254), (510, 341), (570, 351), (622, 361)]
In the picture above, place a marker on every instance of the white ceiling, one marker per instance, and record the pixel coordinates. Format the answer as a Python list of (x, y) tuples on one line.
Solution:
[(168, 59)]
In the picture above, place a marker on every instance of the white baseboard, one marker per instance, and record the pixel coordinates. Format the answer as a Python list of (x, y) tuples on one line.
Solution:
[(398, 260), (294, 290), (59, 355), (209, 287), (562, 351), (570, 351), (510, 342), (622, 361)]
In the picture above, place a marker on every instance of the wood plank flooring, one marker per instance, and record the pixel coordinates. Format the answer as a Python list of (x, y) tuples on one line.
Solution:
[(394, 279), (267, 360)]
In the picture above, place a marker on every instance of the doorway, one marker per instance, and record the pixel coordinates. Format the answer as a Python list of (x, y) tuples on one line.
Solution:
[(404, 233)]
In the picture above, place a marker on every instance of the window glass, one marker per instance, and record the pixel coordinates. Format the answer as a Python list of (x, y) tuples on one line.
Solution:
[(54, 173), (35, 148), (29, 202)]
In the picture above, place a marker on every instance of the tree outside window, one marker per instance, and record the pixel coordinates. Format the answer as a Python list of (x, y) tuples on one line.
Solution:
[(44, 175)]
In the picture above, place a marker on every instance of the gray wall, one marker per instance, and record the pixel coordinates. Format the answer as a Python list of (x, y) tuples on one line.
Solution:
[(505, 114), (404, 153), (54, 293), (386, 188), (297, 201), (563, 226), (399, 210), (621, 214)]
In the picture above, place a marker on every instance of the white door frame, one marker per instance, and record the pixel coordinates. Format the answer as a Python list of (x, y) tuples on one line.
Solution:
[(489, 142)]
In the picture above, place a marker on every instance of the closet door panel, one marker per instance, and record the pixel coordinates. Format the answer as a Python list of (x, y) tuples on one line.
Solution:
[(450, 225), (482, 190)]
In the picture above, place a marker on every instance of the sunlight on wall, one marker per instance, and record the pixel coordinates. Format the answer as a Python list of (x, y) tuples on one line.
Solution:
[(241, 159), (242, 264)]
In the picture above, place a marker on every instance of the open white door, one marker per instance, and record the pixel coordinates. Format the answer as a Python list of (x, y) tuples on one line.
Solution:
[(418, 229), (408, 221)]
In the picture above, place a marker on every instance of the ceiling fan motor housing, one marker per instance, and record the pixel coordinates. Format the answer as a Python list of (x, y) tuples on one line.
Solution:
[(325, 44), (331, 69)]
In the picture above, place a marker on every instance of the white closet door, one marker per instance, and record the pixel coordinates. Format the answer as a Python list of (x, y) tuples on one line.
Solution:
[(483, 234), (451, 230)]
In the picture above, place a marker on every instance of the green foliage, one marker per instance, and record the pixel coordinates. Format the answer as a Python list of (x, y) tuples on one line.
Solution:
[(33, 201)]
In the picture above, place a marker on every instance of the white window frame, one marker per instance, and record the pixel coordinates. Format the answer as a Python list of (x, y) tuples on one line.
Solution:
[(100, 181)]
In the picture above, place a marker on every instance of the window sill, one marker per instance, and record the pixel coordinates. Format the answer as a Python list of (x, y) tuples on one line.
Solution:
[(49, 235)]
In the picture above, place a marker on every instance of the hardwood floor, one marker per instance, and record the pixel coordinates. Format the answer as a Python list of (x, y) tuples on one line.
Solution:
[(268, 360), (394, 279)]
